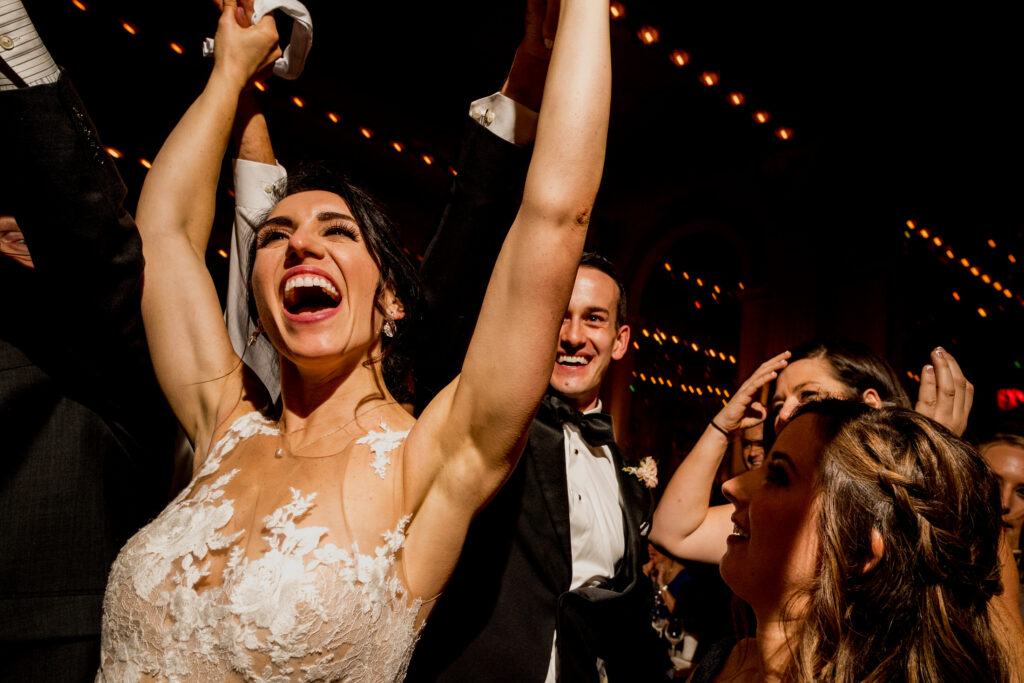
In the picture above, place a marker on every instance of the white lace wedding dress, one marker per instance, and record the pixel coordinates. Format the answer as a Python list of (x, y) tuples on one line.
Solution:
[(276, 573)]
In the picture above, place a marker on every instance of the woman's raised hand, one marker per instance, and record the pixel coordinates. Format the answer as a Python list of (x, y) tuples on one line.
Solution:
[(240, 51), (945, 394), (743, 410)]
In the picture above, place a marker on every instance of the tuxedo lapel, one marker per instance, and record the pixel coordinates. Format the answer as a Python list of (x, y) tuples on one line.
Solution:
[(634, 496), (549, 469)]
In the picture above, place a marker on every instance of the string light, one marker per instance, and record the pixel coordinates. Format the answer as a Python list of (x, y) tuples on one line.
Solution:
[(178, 48), (656, 380), (973, 269), (660, 336), (709, 78), (783, 133), (146, 163), (617, 10), (222, 253), (680, 57), (114, 152), (736, 98), (397, 146), (761, 116), (648, 35)]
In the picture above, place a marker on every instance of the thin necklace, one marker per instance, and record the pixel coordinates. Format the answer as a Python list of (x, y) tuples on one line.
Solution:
[(281, 451)]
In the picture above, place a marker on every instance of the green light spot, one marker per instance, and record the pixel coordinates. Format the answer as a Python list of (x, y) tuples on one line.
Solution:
[(632, 389)]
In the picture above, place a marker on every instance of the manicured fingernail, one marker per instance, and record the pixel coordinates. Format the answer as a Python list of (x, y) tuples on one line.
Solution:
[(929, 368), (939, 351)]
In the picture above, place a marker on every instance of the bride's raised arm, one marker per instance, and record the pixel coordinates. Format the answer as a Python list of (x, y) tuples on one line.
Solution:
[(188, 341), (469, 438)]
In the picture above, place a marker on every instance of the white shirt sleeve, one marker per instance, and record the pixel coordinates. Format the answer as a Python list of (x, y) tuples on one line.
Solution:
[(254, 196), (506, 118)]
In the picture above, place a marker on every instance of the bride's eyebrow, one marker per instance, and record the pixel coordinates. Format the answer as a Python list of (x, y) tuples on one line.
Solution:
[(279, 221), (334, 216)]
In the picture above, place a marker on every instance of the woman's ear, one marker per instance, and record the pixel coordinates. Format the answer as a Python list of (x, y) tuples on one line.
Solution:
[(877, 551), (393, 306), (870, 397)]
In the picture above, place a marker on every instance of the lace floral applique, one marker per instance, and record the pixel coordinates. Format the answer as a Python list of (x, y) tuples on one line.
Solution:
[(298, 611), (382, 443)]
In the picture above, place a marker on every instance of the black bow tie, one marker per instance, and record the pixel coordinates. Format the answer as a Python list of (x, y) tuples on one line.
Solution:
[(595, 428)]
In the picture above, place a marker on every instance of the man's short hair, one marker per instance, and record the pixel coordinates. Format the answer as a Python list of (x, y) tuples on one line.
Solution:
[(592, 259)]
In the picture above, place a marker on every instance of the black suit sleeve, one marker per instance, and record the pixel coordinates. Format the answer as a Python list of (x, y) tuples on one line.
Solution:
[(67, 198), (457, 265)]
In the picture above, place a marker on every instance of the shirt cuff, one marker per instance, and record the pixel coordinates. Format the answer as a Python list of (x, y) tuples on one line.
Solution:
[(254, 183), (506, 118)]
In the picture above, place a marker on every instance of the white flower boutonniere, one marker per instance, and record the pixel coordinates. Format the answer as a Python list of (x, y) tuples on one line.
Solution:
[(646, 472)]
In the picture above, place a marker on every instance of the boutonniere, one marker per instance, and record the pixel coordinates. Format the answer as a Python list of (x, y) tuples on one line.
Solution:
[(646, 472)]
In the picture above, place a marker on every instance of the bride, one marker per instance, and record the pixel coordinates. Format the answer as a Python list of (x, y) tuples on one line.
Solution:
[(312, 541)]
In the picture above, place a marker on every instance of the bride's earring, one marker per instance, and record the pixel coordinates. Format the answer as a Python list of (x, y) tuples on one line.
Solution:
[(389, 327), (255, 333)]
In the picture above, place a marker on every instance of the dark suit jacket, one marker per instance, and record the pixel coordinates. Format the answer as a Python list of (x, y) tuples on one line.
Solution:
[(86, 433), (510, 591)]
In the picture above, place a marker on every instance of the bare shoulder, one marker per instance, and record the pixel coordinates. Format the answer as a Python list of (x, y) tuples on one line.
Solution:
[(242, 394)]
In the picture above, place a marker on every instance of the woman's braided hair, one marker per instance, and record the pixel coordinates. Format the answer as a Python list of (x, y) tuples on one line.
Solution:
[(920, 613)]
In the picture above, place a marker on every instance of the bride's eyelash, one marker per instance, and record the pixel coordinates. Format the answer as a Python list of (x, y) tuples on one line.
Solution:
[(342, 229), (266, 235)]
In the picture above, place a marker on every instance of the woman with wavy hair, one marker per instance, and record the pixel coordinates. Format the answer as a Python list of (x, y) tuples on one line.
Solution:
[(867, 547)]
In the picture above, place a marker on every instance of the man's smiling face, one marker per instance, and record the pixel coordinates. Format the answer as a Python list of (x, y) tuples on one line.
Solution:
[(590, 338)]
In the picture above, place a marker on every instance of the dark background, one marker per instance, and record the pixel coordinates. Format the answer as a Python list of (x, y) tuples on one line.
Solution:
[(897, 114)]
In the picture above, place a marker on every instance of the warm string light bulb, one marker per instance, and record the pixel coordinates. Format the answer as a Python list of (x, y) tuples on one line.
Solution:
[(974, 269), (680, 57), (648, 35), (618, 11)]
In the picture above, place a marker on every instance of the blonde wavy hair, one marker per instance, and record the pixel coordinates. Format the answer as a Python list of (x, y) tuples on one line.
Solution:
[(919, 612)]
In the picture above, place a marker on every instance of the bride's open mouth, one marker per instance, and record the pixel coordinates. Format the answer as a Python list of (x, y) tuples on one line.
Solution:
[(308, 294)]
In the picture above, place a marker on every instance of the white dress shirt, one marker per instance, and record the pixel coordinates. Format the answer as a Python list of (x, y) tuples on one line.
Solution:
[(595, 515)]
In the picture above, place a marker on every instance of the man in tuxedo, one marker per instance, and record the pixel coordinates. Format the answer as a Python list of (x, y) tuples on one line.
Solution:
[(87, 438), (549, 586)]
